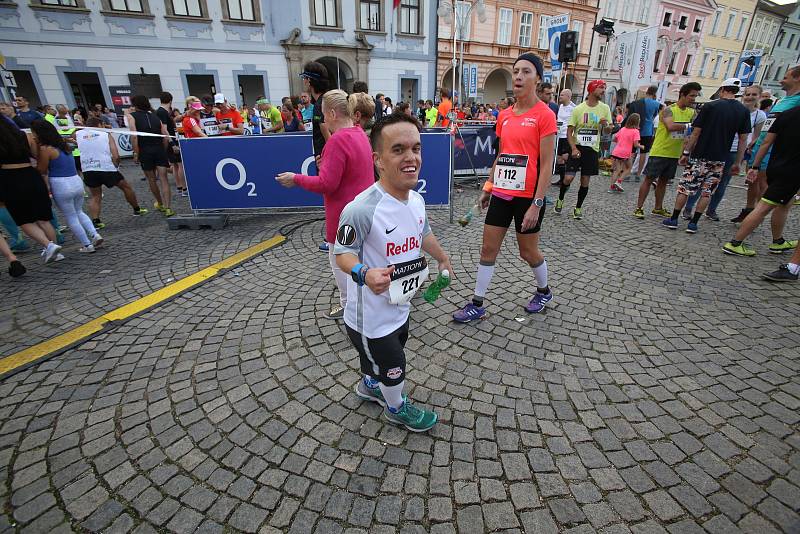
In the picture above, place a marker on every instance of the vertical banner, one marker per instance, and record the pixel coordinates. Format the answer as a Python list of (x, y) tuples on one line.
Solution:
[(473, 81), (625, 44), (640, 70), (746, 70), (556, 25), (465, 80)]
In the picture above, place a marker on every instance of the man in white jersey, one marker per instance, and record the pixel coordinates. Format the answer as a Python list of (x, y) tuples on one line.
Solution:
[(565, 107), (380, 240)]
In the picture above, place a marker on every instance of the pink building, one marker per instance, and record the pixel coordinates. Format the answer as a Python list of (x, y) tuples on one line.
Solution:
[(680, 33)]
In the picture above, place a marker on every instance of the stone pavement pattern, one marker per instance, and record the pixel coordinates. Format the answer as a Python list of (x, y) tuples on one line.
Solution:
[(657, 394)]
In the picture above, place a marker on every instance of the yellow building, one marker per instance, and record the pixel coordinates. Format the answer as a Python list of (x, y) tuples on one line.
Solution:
[(723, 36)]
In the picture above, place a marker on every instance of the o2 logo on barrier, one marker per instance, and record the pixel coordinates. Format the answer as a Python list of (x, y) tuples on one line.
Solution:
[(241, 182)]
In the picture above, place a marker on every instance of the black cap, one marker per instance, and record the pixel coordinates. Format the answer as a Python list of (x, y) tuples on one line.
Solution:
[(536, 60), (207, 100)]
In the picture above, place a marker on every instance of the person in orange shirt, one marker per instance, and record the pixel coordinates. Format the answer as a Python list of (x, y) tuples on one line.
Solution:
[(444, 109), (229, 118)]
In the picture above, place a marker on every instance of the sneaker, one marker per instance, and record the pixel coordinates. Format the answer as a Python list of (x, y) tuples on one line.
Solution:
[(660, 212), (783, 274), (98, 224), (50, 251), (185, 193), (413, 418), (159, 207), (691, 228), (337, 312), (60, 238), (97, 241), (740, 250), (538, 302), (370, 394), (742, 215), (797, 200), (687, 216), (16, 269), (88, 249), (780, 249), (168, 212), (712, 216), (617, 187), (323, 246), (468, 313), (59, 257), (559, 206), (577, 214), (638, 213), (140, 211), (670, 223)]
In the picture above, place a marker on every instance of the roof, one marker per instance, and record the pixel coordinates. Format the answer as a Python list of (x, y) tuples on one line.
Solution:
[(784, 10)]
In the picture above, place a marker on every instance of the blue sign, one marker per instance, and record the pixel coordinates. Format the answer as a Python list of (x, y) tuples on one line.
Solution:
[(473, 81), (748, 65), (558, 24), (473, 150), (239, 172)]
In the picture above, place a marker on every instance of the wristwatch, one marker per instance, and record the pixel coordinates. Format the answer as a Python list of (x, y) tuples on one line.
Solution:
[(538, 202)]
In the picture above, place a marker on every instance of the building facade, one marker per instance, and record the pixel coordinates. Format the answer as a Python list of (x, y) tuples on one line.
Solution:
[(723, 39), (511, 27), (82, 52), (629, 16), (680, 35), (785, 53)]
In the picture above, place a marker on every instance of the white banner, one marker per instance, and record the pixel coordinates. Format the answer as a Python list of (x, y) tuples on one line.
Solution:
[(625, 45), (640, 69)]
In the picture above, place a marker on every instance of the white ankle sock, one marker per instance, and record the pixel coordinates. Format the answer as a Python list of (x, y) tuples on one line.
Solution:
[(794, 268), (393, 395)]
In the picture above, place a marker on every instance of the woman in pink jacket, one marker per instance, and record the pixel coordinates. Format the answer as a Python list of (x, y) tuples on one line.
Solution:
[(345, 171)]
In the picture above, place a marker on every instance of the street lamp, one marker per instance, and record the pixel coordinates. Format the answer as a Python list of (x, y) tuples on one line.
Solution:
[(448, 12)]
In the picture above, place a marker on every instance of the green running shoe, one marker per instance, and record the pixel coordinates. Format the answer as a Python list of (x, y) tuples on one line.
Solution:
[(168, 212), (779, 249), (370, 394), (413, 418), (577, 214), (741, 250), (661, 213), (559, 206), (638, 213)]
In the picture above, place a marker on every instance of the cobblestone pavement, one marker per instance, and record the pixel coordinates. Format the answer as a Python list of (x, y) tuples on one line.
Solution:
[(658, 393)]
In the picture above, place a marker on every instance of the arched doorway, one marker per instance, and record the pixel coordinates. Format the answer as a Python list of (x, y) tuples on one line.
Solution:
[(340, 75), (497, 85), (447, 80)]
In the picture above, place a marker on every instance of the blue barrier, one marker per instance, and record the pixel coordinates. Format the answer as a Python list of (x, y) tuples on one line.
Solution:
[(229, 173), (473, 151)]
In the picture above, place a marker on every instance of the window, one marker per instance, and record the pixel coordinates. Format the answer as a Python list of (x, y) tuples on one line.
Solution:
[(577, 26), (409, 17), (715, 23), (703, 64), (686, 65), (369, 16), (125, 6), (729, 25), (778, 74), (717, 65), (526, 28), (644, 11), (756, 33), (187, 8), (671, 68), (683, 22), (791, 41), (611, 9), (780, 38), (731, 66), (462, 8), (325, 13), (742, 27), (504, 21), (62, 3), (656, 67), (241, 10), (698, 25), (667, 19), (766, 73), (543, 41), (601, 56)]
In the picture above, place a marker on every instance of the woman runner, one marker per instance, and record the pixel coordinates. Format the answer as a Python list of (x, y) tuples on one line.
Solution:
[(517, 185)]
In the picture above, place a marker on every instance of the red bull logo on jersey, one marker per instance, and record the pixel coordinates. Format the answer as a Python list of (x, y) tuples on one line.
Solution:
[(393, 249)]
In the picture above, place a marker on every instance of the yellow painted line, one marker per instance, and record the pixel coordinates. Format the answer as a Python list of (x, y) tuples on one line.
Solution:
[(85, 331)]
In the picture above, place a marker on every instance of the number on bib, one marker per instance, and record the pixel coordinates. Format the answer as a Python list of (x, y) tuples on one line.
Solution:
[(587, 137), (511, 172), (406, 280)]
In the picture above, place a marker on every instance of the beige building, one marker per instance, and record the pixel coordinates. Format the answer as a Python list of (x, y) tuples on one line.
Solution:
[(511, 27)]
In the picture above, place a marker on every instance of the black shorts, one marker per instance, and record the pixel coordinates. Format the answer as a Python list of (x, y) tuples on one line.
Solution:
[(382, 358), (647, 143), (100, 178), (77, 163), (501, 212), (563, 147), (781, 188), (174, 154), (588, 163), (151, 157), (660, 167)]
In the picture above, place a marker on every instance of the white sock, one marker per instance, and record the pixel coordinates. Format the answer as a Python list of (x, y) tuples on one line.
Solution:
[(540, 272), (370, 382), (393, 395), (483, 279), (794, 268)]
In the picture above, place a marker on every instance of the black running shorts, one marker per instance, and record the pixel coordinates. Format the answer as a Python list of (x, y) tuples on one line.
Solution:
[(102, 178), (382, 358), (661, 167), (647, 143), (501, 212), (588, 163), (151, 157), (781, 188)]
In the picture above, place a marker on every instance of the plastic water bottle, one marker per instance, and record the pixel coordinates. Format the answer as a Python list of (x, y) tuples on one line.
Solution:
[(435, 289), (467, 217)]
